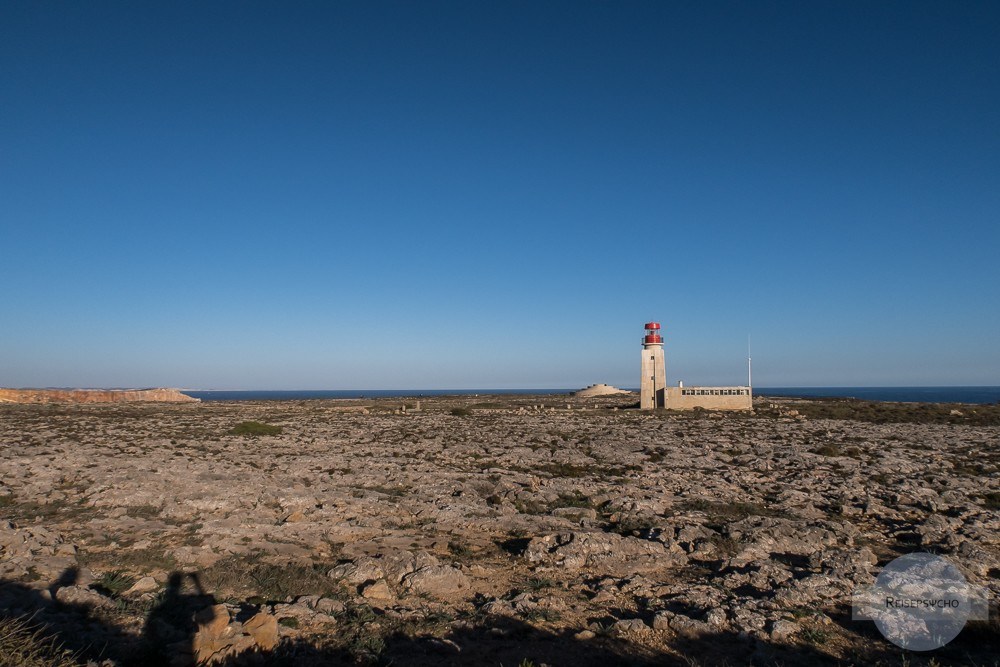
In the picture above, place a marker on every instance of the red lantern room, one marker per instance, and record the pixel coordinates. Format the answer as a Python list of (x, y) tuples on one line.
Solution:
[(652, 336)]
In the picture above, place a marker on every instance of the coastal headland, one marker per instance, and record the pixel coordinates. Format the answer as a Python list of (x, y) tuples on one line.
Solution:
[(94, 396), (489, 530)]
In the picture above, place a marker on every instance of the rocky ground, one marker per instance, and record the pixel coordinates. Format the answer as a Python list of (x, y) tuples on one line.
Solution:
[(515, 530)]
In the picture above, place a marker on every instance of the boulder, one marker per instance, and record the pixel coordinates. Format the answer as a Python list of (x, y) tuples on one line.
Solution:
[(377, 590), (263, 627), (80, 595), (782, 630), (436, 580), (144, 585)]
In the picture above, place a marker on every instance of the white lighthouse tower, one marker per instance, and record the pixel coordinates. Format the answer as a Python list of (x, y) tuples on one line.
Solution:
[(653, 387)]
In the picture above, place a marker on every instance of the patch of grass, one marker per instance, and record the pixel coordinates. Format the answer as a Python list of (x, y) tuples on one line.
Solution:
[(46, 511), (535, 506), (254, 429), (881, 479), (20, 646), (460, 550), (630, 525), (877, 412), (243, 576), (814, 635), (572, 499), (360, 632), (655, 455), (530, 506), (391, 491), (139, 560), (114, 582), (991, 500), (726, 545), (538, 614), (969, 470), (144, 511), (538, 583), (460, 412), (726, 512), (560, 470), (289, 622)]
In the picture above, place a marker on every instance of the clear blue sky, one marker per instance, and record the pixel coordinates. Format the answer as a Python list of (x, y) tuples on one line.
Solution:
[(473, 195)]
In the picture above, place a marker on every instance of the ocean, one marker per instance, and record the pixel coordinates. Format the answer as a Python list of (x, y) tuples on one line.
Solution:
[(904, 394)]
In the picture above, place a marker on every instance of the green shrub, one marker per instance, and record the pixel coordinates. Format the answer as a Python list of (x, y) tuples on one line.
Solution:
[(461, 412)]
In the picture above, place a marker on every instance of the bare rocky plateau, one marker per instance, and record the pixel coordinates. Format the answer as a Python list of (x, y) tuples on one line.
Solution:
[(513, 530)]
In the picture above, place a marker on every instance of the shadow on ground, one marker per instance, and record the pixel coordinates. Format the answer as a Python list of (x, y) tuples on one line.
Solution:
[(105, 633)]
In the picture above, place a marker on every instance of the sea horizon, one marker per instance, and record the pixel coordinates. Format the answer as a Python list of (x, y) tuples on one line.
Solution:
[(975, 394)]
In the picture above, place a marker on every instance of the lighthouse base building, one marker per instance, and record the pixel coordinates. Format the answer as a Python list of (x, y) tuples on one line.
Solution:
[(654, 392), (709, 398)]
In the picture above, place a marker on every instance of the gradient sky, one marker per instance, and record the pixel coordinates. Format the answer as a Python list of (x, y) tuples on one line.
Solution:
[(466, 194)]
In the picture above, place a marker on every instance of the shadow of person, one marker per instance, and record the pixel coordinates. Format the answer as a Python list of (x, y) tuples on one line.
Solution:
[(168, 636), (68, 577), (499, 641), (170, 628), (59, 622)]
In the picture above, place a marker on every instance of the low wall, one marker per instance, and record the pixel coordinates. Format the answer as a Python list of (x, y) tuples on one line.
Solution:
[(710, 398)]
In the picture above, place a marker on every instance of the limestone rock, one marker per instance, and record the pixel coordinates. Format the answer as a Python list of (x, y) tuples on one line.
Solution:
[(80, 595), (329, 606), (143, 585), (683, 625), (627, 625), (437, 580), (782, 630), (377, 590), (298, 516), (263, 627), (212, 621), (602, 552)]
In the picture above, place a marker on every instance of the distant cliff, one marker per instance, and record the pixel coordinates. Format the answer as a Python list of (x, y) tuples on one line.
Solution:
[(93, 396)]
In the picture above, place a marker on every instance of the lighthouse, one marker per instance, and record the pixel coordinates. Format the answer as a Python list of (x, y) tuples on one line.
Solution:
[(653, 386)]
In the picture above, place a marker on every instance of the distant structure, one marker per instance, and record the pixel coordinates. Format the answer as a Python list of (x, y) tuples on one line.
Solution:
[(654, 392), (653, 387), (599, 390)]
